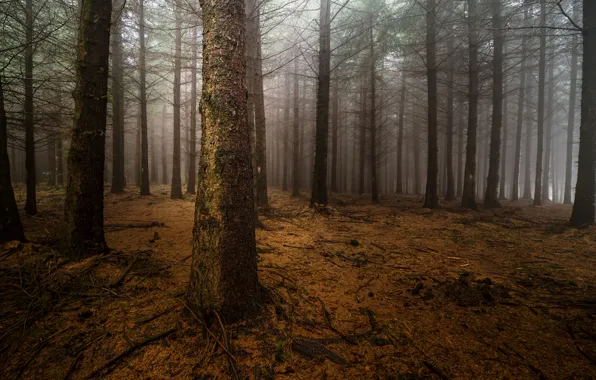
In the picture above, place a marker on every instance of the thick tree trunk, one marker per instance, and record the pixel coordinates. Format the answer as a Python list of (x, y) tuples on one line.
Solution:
[(10, 220), (83, 233), (431, 198), (469, 193), (118, 102), (31, 202), (319, 184), (224, 277), (491, 198), (585, 190), (176, 191), (541, 84), (143, 97), (400, 134), (520, 116), (571, 115), (192, 168), (296, 134)]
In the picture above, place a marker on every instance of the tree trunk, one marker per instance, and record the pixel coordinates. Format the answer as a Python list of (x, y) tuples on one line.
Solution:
[(416, 133), (286, 134), (31, 203), (373, 116), (450, 193), (334, 138), (502, 181), (520, 116), (143, 97), (400, 134), (528, 156), (431, 198), (260, 124), (118, 102), (362, 143), (572, 105), (585, 190), (176, 192), (460, 149), (10, 220), (469, 193), (296, 134), (224, 277), (52, 158), (319, 184), (192, 169), (541, 85), (83, 233), (164, 150), (549, 128)]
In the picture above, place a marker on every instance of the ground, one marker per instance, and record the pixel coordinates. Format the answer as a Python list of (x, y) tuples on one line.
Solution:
[(354, 291)]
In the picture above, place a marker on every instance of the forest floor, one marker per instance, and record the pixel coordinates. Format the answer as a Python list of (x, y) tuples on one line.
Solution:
[(365, 291)]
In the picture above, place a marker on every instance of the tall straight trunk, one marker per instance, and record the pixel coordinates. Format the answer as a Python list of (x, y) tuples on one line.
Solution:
[(549, 128), (154, 167), (59, 161), (571, 115), (296, 134), (83, 233), (10, 220), (400, 134), (192, 151), (138, 154), (520, 116), (491, 198), (334, 136), (362, 143), (416, 133), (585, 190), (31, 202), (164, 152), (260, 124), (502, 181), (52, 158), (373, 116), (450, 193), (224, 278), (528, 155), (176, 191), (431, 198), (460, 149), (118, 102), (469, 192), (286, 134), (319, 183), (143, 96), (541, 84)]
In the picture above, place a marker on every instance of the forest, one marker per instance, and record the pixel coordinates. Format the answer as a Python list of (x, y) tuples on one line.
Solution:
[(301, 189)]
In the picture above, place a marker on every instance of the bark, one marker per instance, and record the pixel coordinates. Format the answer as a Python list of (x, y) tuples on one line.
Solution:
[(450, 193), (296, 134), (143, 96), (260, 124), (469, 193), (164, 150), (286, 134), (118, 103), (334, 135), (31, 202), (10, 220), (373, 116), (176, 192), (83, 233), (502, 181), (520, 116), (460, 149), (528, 156), (400, 134), (541, 90), (431, 198), (138, 154), (416, 132), (585, 190), (154, 167), (362, 144), (224, 277), (572, 105), (549, 129), (491, 199), (192, 168), (52, 159), (319, 183)]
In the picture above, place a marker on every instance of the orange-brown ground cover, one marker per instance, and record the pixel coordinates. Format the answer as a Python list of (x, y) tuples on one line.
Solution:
[(358, 291)]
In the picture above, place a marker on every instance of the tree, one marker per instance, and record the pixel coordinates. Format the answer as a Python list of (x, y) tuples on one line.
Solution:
[(585, 190), (224, 276), (176, 192), (431, 198), (319, 184), (520, 115), (469, 193), (10, 220), (491, 199), (83, 233), (400, 134), (143, 100), (450, 194), (31, 203), (571, 116), (296, 134), (541, 91), (118, 102), (373, 112), (192, 168)]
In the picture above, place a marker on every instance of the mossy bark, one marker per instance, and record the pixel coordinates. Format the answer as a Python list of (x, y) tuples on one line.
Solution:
[(83, 233), (224, 276)]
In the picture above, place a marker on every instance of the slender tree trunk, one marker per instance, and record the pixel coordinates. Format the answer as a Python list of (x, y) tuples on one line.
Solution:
[(460, 149), (585, 190), (400, 134), (143, 96), (224, 277), (541, 90), (520, 116), (450, 193), (502, 181), (164, 150), (431, 198), (59, 161), (154, 167), (192, 169), (491, 198), (416, 133), (334, 137), (373, 116), (572, 105), (31, 203), (469, 193), (319, 184), (362, 142), (296, 134), (286, 134), (138, 154), (549, 129), (176, 191), (52, 159), (260, 125), (118, 102), (10, 220), (528, 156), (83, 233)]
